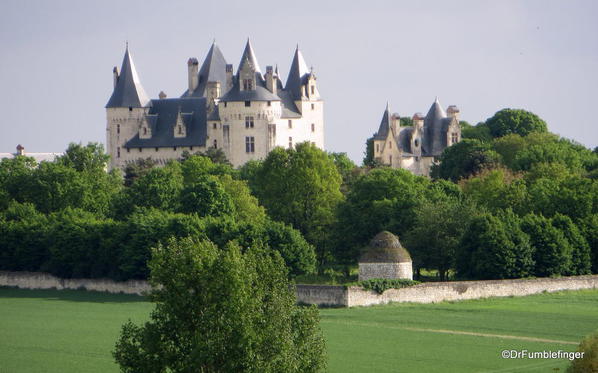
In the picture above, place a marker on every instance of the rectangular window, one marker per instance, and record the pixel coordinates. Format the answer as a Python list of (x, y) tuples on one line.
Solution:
[(269, 103), (290, 143), (118, 128), (247, 84), (312, 90), (224, 103), (454, 138), (249, 122), (377, 148), (390, 144), (118, 152), (249, 144), (215, 144), (140, 150), (128, 150), (156, 148), (313, 127), (247, 103), (290, 123), (313, 106), (214, 125)]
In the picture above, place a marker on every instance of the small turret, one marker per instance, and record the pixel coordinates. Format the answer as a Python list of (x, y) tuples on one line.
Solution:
[(229, 76), (297, 76), (193, 70), (20, 150)]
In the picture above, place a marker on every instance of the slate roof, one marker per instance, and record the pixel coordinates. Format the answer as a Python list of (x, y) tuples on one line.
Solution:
[(434, 138), (258, 94), (128, 91), (404, 139), (384, 126), (289, 109), (162, 119), (385, 248), (213, 69), (297, 75)]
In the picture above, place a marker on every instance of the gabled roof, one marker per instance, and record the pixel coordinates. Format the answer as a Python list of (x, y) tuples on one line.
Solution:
[(162, 118), (213, 69), (128, 91), (384, 128), (297, 74)]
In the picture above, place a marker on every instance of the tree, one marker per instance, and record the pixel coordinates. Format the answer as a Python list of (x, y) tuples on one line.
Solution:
[(137, 169), (221, 311), (589, 362), (206, 197), (368, 155), (345, 166), (497, 189), (521, 122), (216, 155), (301, 187), (85, 158), (466, 158), (383, 199), (479, 132), (581, 262), (552, 251), (437, 233)]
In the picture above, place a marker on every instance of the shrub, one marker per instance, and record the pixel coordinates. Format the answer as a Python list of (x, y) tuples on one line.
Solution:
[(589, 362), (380, 285)]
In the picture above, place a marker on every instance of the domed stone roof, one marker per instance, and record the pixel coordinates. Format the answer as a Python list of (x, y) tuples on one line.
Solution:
[(385, 248)]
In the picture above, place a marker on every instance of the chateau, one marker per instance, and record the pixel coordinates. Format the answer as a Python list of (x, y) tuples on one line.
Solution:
[(414, 148), (246, 114)]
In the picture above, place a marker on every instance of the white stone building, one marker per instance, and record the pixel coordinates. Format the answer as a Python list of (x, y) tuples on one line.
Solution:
[(38, 157), (415, 148), (245, 114)]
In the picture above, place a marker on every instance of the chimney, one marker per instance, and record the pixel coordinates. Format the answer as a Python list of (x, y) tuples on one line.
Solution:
[(20, 150), (229, 76), (395, 122), (162, 95), (271, 79), (418, 120), (115, 75), (453, 111), (193, 68)]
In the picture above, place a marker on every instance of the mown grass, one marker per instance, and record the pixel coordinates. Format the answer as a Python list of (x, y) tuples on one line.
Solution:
[(75, 331)]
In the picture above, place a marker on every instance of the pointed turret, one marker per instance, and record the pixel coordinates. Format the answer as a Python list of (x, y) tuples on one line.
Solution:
[(213, 70), (128, 91), (384, 128), (248, 58), (433, 129), (297, 74)]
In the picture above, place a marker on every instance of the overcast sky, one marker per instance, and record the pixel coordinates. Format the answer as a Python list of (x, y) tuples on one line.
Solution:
[(56, 60)]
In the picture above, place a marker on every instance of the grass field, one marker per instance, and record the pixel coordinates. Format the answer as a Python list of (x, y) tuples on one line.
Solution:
[(74, 331)]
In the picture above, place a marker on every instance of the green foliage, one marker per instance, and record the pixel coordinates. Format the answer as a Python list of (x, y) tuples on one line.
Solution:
[(137, 169), (479, 132), (496, 190), (380, 285), (589, 362), (206, 198), (552, 251), (436, 235), (368, 155), (85, 158), (521, 122), (580, 250), (495, 247), (466, 158), (159, 188), (383, 199), (301, 187), (221, 311), (346, 168)]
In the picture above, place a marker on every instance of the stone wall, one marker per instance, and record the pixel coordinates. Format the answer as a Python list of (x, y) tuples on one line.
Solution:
[(37, 280), (322, 295), (369, 271), (330, 295)]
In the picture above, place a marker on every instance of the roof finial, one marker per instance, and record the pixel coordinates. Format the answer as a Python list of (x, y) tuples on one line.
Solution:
[(127, 44), (297, 46), (387, 106), (436, 99), (214, 41)]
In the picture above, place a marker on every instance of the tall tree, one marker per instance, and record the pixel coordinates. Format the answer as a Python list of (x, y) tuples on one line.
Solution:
[(221, 311), (301, 187), (517, 121), (466, 158)]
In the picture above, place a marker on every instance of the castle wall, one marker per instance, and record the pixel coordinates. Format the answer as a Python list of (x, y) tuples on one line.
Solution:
[(369, 271)]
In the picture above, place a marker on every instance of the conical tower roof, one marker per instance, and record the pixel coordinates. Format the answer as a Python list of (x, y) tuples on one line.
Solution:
[(213, 69), (385, 248), (248, 57), (296, 74), (384, 125), (128, 91)]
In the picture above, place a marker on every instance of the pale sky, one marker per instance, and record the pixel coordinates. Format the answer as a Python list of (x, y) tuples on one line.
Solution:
[(56, 60)]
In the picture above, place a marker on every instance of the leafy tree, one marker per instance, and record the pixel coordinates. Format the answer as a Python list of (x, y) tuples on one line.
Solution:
[(466, 158), (368, 157), (497, 189), (348, 170), (383, 199), (301, 187), (406, 122), (552, 251), (437, 233), (15, 177), (479, 132), (206, 198), (216, 155), (580, 250), (85, 158), (589, 362), (588, 227), (221, 311), (521, 122), (494, 248), (246, 206)]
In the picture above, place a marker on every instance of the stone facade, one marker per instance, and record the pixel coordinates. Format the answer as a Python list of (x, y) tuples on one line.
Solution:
[(246, 114), (416, 147), (385, 258)]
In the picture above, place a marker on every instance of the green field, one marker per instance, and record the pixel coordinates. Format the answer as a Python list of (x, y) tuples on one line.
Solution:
[(74, 331)]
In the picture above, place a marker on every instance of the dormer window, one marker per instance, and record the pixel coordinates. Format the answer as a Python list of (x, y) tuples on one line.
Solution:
[(454, 138), (180, 129), (144, 131), (247, 84)]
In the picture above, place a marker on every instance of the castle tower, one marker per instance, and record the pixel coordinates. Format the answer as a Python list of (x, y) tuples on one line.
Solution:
[(125, 110)]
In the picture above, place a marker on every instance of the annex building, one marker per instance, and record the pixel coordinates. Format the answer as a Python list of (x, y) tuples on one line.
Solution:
[(416, 147), (245, 113)]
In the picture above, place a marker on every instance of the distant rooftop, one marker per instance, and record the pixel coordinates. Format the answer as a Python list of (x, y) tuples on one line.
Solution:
[(39, 157)]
